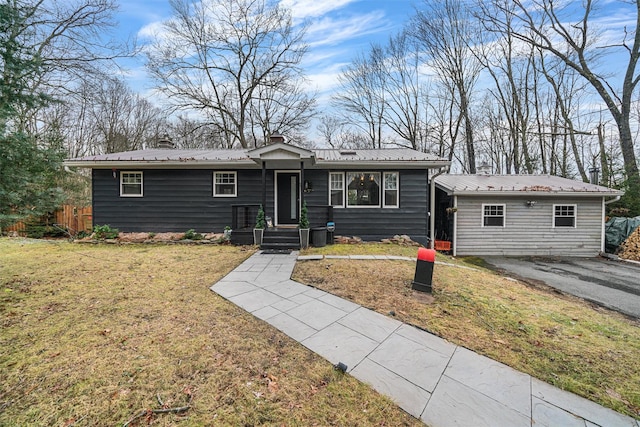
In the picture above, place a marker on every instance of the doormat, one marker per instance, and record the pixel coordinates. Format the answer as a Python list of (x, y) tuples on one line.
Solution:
[(276, 251)]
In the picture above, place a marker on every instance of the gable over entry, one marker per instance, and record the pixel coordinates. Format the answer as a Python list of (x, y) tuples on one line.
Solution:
[(288, 163)]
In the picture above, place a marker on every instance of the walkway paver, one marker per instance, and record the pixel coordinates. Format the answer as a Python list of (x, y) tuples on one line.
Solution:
[(440, 383)]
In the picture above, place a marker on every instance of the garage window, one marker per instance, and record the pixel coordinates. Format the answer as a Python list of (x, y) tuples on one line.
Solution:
[(493, 215), (564, 215)]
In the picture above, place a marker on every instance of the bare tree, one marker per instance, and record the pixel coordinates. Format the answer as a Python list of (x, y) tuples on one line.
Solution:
[(362, 93), (215, 55), (283, 108), (407, 100), (331, 127), (124, 120), (446, 30), (70, 40), (543, 25)]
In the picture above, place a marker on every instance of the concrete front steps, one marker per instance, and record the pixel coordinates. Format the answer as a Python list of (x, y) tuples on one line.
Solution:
[(278, 238)]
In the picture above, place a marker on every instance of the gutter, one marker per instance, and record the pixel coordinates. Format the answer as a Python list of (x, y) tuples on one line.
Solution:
[(615, 199), (432, 202)]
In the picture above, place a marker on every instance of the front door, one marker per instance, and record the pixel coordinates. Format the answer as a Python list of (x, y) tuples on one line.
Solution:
[(288, 198)]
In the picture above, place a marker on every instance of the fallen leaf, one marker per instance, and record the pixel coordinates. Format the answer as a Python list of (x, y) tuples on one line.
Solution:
[(615, 395), (272, 386)]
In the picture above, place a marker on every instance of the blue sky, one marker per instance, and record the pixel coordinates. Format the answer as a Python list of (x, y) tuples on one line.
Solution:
[(339, 30)]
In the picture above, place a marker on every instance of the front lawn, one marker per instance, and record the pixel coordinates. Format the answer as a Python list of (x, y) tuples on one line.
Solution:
[(102, 335), (559, 339)]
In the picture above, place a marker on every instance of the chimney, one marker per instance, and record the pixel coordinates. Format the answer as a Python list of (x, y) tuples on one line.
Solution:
[(275, 138), (165, 143), (484, 168), (594, 177)]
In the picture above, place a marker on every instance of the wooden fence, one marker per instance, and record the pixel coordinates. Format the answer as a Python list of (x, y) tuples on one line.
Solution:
[(72, 218)]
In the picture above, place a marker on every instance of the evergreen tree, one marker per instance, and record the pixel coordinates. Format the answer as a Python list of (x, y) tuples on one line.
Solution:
[(29, 167)]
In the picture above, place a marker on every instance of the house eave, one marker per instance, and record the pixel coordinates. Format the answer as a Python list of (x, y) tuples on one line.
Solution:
[(247, 164), (395, 164), (533, 193), (163, 164)]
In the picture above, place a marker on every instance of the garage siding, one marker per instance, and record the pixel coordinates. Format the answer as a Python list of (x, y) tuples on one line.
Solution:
[(528, 230)]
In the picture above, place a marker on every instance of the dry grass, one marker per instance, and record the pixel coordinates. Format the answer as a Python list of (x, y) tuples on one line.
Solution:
[(559, 339), (94, 334)]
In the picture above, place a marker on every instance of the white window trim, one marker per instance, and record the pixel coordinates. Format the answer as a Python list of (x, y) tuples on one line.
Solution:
[(235, 183), (504, 215), (384, 189), (575, 215), (122, 173), (344, 191)]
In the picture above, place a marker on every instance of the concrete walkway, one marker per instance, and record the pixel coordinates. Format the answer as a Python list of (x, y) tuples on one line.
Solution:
[(430, 378)]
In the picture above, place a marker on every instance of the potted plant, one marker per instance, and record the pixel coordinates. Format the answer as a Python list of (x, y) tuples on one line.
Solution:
[(304, 227), (258, 230), (227, 233)]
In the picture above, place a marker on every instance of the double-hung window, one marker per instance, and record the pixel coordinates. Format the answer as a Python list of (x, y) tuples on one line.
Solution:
[(130, 184), (493, 215), (336, 189), (225, 184), (391, 190), (564, 215)]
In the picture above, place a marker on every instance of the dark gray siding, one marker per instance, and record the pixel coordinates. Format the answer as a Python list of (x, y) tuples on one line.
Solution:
[(174, 200), (178, 200), (410, 218)]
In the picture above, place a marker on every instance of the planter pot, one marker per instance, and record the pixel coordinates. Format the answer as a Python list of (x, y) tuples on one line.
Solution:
[(304, 238), (257, 236), (227, 234)]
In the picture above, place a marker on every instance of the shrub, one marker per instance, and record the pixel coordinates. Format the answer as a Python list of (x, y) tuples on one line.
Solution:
[(192, 235), (38, 231), (105, 232), (304, 218), (261, 222)]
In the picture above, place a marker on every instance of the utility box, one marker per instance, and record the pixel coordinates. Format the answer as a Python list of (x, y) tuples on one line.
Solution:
[(424, 270)]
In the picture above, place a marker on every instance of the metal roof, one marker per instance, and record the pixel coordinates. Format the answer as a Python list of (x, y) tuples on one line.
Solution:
[(389, 154), (397, 157), (542, 185)]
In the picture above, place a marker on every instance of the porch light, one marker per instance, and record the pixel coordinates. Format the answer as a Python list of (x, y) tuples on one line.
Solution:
[(308, 187)]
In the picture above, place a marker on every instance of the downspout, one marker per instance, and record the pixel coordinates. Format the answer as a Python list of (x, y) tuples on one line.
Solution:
[(301, 188), (432, 202), (264, 187), (455, 226)]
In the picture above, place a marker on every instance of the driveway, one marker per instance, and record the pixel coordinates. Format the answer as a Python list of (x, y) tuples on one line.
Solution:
[(612, 284)]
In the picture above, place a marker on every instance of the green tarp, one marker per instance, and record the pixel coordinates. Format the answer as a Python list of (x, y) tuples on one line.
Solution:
[(617, 230)]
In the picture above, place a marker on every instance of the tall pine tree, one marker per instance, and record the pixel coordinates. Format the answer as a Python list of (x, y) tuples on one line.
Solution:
[(29, 167)]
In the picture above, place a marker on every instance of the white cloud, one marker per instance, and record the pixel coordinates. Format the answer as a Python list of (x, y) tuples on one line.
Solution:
[(151, 31), (302, 9), (329, 31)]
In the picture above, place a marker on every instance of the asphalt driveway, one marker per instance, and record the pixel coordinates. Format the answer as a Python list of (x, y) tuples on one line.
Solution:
[(612, 284)]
